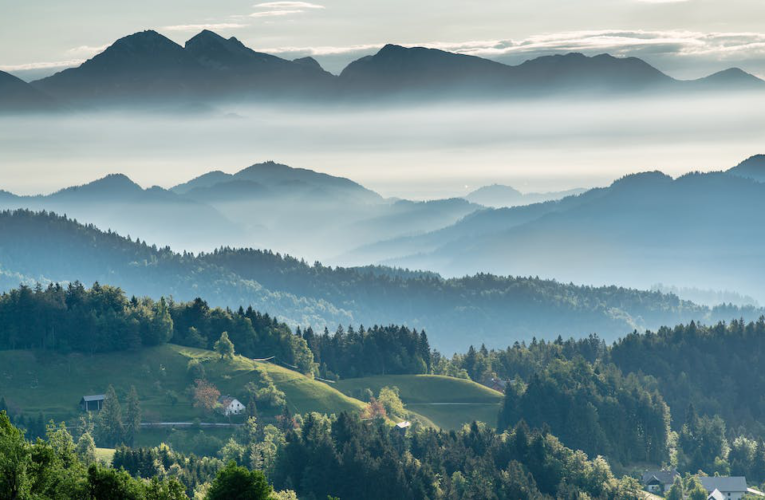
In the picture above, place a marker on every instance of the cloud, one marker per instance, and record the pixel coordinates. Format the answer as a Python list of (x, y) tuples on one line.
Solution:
[(616, 42), (662, 1), (276, 13), (200, 27), (86, 50), (42, 65), (323, 50), (281, 9), (288, 5)]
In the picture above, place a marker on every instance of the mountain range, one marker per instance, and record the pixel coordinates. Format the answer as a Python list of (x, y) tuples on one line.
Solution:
[(267, 205), (147, 67), (699, 230)]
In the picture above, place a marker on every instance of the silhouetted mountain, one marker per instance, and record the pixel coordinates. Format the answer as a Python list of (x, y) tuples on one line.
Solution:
[(498, 196), (144, 64), (731, 79), (603, 71), (752, 168), (309, 62), (396, 69), (694, 231), (237, 67), (210, 68), (455, 313), (17, 95)]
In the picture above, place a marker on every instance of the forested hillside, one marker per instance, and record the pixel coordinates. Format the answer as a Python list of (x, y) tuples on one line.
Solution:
[(42, 247)]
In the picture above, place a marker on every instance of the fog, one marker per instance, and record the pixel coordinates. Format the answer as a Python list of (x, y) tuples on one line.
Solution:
[(416, 152)]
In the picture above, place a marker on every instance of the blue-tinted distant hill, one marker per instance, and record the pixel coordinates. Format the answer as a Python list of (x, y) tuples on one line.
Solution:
[(751, 168), (699, 230), (267, 205), (455, 313)]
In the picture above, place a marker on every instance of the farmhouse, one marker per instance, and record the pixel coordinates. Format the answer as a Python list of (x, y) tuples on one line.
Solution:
[(230, 405), (403, 426), (730, 488), (659, 481), (93, 402), (497, 384)]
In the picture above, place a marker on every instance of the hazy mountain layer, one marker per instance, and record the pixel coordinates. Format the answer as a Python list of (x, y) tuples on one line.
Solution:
[(699, 230), (267, 205), (456, 313), (498, 196)]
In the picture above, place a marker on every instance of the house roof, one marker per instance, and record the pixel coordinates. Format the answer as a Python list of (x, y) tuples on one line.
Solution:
[(716, 495), (723, 483), (226, 400), (403, 425), (665, 476), (94, 397)]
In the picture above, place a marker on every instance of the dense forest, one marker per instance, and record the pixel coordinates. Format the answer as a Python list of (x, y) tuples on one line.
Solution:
[(380, 350), (103, 318), (585, 391), (43, 247)]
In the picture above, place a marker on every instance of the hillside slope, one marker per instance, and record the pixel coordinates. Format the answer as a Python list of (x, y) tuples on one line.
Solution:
[(447, 402), (53, 383)]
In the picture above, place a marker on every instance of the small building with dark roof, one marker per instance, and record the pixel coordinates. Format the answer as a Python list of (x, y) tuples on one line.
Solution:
[(659, 481), (93, 402)]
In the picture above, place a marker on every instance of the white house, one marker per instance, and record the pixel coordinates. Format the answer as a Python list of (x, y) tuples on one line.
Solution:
[(727, 487), (659, 481), (230, 406)]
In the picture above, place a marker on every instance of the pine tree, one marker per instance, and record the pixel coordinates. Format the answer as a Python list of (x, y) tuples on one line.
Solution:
[(110, 429), (132, 417)]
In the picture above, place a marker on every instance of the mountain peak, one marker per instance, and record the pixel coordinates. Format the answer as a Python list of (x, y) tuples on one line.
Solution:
[(751, 168), (144, 40), (111, 186), (735, 77), (309, 62)]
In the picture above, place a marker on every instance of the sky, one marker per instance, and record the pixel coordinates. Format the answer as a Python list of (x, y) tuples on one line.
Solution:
[(421, 153), (685, 38)]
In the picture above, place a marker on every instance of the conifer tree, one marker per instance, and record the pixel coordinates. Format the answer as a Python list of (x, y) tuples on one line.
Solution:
[(132, 417), (110, 428)]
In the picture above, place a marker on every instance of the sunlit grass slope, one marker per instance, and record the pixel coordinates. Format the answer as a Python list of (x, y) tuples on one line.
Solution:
[(53, 384), (448, 402)]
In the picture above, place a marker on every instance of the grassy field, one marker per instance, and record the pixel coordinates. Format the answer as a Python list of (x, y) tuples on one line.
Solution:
[(105, 455), (53, 384), (447, 402)]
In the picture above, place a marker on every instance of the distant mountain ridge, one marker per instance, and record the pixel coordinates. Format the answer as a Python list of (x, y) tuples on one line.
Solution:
[(751, 168), (266, 205), (149, 67), (698, 230), (498, 196)]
